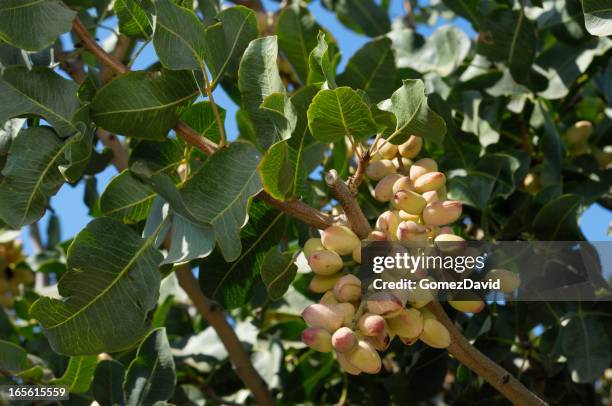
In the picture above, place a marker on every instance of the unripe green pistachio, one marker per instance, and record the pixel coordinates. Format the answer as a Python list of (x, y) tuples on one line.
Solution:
[(604, 158), (383, 192), (429, 181), (409, 201), (403, 183), (420, 297), (325, 262), (321, 283), (427, 314), (388, 150), (468, 306), (508, 281), (371, 324), (318, 339), (344, 339), (421, 167), (346, 365), (348, 288), (311, 245), (579, 133), (407, 324), (435, 334), (532, 183), (411, 231), (411, 147), (384, 303), (379, 169), (340, 239), (442, 213), (323, 316), (388, 223), (365, 357)]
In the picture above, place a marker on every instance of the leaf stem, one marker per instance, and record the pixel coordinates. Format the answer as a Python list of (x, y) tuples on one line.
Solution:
[(209, 93)]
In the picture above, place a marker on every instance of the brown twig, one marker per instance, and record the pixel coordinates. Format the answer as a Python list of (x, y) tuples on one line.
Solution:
[(491, 372), (300, 210), (112, 142), (119, 52), (354, 215), (214, 315), (409, 14), (355, 181)]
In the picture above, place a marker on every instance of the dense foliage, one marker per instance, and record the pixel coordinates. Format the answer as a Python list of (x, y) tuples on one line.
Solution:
[(518, 118)]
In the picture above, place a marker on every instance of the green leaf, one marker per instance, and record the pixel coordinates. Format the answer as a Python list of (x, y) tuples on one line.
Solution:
[(509, 37), (151, 376), (106, 260), (79, 374), (277, 272), (552, 148), (363, 16), (586, 346), (178, 37), (188, 239), (127, 198), (40, 92), (297, 35), (412, 114), (322, 62), (12, 357), (77, 154), (201, 118), (338, 113), (274, 170), (371, 69), (562, 64), (33, 25), (558, 220), (275, 167), (107, 386), (133, 20), (8, 132), (210, 9), (598, 17), (442, 53), (31, 175), (480, 116), (142, 104), (232, 283), (468, 9), (226, 41), (218, 194), (258, 78), (493, 176)]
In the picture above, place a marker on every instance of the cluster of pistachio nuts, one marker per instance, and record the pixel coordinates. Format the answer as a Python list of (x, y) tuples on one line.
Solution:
[(356, 325), (12, 276)]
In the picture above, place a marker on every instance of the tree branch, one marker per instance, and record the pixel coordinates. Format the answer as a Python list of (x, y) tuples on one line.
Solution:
[(354, 215), (475, 360), (299, 210), (355, 181), (112, 142), (214, 315)]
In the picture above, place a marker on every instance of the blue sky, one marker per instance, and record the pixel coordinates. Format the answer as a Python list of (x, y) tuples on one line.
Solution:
[(73, 213)]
